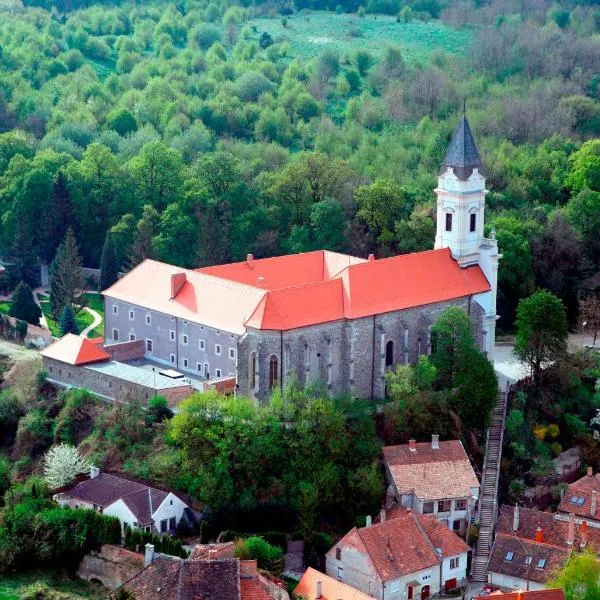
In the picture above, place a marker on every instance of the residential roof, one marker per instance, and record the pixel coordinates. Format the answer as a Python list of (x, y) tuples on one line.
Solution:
[(212, 551), (331, 589), (554, 594), (288, 292), (462, 154), (406, 544), (429, 473), (553, 530), (253, 589), (75, 350), (105, 489), (578, 498), (510, 556), (171, 578)]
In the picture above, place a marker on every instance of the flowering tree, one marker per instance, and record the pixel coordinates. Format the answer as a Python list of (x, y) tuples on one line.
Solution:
[(62, 464)]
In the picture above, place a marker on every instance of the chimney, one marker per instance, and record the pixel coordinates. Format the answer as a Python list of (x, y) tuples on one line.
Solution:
[(435, 441), (260, 281), (177, 282), (250, 260), (319, 589), (593, 503), (368, 521), (382, 515), (371, 257), (539, 535), (583, 531), (94, 472), (412, 445), (590, 472), (571, 530), (148, 555), (516, 518)]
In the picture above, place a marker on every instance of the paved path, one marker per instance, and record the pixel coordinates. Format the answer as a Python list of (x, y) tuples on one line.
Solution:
[(95, 323)]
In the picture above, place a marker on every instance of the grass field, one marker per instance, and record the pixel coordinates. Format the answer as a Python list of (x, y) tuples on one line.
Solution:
[(14, 587), (83, 319), (310, 33)]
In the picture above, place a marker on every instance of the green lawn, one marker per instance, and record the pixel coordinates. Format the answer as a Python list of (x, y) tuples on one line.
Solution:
[(311, 32), (83, 318), (14, 587)]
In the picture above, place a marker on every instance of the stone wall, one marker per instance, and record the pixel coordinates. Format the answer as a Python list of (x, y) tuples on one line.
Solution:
[(111, 566)]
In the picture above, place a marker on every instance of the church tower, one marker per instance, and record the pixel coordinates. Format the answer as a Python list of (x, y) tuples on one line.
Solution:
[(460, 218)]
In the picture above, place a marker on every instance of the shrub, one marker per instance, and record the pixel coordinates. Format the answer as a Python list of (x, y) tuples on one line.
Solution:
[(23, 305), (251, 85), (207, 34)]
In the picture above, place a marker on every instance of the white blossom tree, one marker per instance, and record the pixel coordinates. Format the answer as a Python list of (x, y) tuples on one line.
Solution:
[(62, 464)]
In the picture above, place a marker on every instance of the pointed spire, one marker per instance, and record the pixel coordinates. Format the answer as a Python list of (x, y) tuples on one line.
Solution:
[(462, 155)]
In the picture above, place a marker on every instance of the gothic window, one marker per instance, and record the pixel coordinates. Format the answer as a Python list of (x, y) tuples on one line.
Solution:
[(389, 354), (273, 371), (252, 368), (448, 221), (472, 222)]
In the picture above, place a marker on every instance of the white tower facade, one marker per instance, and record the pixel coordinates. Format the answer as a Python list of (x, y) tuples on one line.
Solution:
[(460, 219)]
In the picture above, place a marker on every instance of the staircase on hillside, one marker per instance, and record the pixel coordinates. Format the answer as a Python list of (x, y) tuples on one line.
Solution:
[(488, 497)]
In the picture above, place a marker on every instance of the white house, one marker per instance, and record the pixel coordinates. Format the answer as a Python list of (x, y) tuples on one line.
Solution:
[(407, 556), (133, 503), (434, 479)]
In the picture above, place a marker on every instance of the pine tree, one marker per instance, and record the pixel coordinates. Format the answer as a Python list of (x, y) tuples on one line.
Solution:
[(22, 254), (57, 219), (23, 305), (67, 283), (109, 267), (67, 322)]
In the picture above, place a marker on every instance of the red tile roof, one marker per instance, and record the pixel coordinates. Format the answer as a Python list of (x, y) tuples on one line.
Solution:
[(253, 589), (431, 474), (331, 589), (212, 551), (405, 544), (75, 350), (582, 488), (288, 292), (554, 594)]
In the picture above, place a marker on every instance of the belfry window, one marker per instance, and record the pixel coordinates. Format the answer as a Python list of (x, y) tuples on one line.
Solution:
[(472, 222), (448, 221), (273, 371)]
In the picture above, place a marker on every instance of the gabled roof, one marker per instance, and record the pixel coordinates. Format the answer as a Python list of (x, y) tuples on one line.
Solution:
[(582, 491), (519, 551), (171, 578), (105, 489), (404, 545), (554, 594), (331, 589), (75, 350), (431, 474), (298, 290), (462, 155)]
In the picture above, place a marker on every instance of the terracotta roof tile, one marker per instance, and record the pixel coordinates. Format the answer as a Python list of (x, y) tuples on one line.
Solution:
[(331, 589), (212, 551), (253, 589), (431, 473), (582, 488), (554, 594), (75, 350), (553, 558)]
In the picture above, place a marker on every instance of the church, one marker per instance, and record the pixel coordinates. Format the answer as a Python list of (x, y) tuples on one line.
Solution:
[(319, 316)]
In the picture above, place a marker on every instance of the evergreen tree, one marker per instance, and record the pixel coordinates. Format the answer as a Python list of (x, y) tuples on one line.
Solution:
[(57, 218), (67, 283), (147, 228), (67, 322), (109, 266), (23, 305), (22, 255)]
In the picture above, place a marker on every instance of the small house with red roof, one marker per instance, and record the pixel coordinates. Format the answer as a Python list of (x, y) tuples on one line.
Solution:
[(582, 499), (407, 556), (318, 316)]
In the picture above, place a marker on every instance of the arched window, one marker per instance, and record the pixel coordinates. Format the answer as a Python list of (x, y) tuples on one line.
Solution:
[(252, 369), (273, 371), (389, 354)]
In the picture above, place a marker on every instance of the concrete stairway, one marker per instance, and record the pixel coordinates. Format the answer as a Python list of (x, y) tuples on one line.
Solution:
[(488, 497)]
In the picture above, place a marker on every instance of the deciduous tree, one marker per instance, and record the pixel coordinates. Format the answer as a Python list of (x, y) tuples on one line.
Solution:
[(62, 464)]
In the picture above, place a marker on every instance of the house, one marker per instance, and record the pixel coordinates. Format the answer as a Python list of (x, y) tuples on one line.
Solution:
[(530, 545), (434, 479), (135, 504), (318, 586), (172, 578), (318, 316), (410, 556), (553, 594), (581, 499)]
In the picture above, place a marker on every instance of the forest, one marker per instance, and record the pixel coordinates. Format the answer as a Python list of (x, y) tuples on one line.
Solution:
[(187, 133)]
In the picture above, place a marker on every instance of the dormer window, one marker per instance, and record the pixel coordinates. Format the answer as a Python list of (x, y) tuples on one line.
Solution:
[(448, 221)]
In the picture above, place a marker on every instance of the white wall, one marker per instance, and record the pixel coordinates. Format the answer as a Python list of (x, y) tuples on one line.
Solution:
[(430, 577), (459, 573), (172, 506), (513, 583), (120, 510)]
